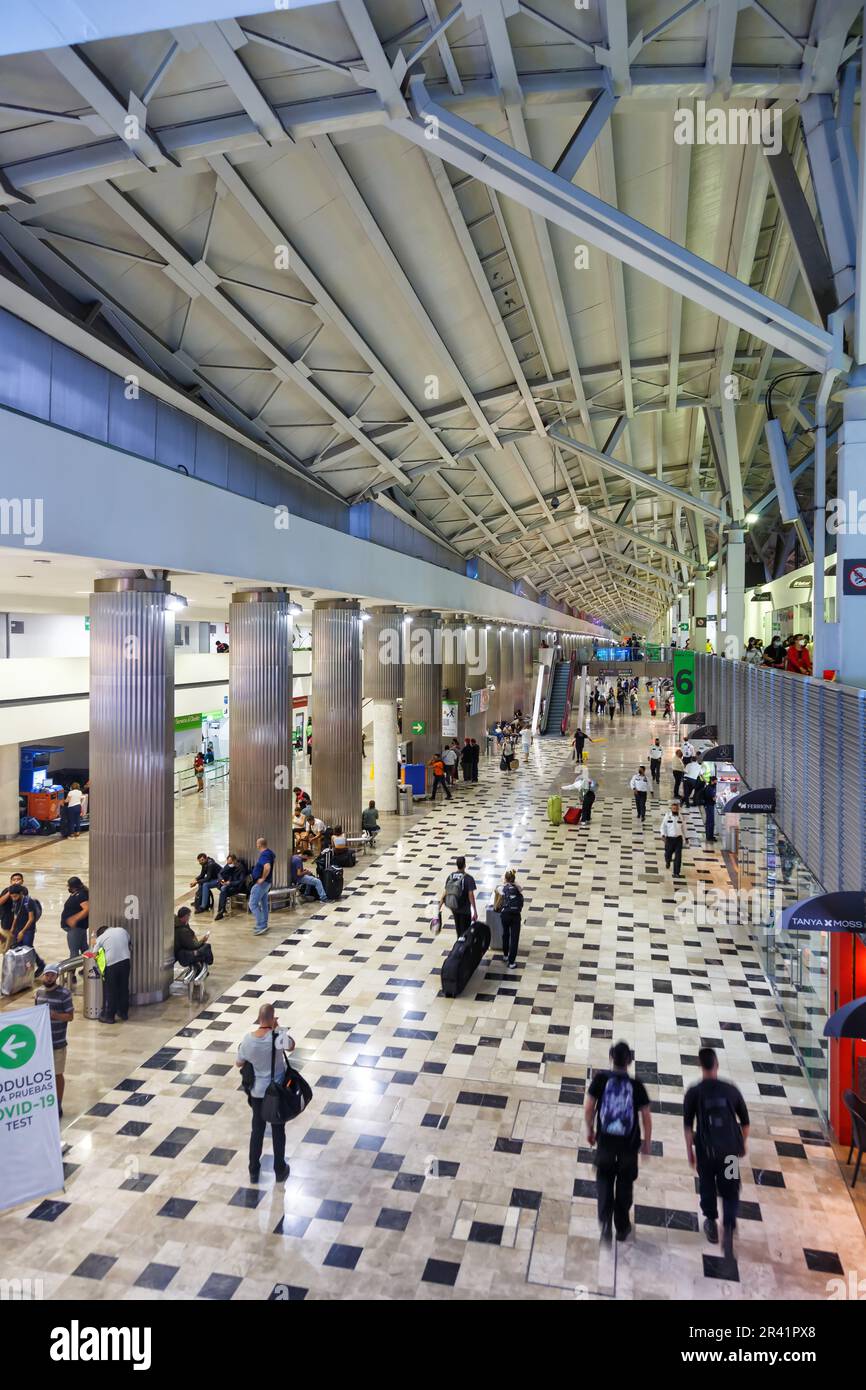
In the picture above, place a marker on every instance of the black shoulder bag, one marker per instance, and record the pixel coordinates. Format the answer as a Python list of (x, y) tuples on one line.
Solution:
[(283, 1101)]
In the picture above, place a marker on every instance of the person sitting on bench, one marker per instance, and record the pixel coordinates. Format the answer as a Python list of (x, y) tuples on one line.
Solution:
[(370, 821), (233, 879), (309, 884), (190, 950)]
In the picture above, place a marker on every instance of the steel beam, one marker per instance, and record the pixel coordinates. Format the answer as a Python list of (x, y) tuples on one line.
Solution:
[(596, 117), (615, 233), (79, 73), (831, 192), (805, 239), (220, 42), (634, 475)]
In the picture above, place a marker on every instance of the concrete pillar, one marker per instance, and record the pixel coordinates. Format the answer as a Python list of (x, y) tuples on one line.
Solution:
[(10, 759), (519, 668), (735, 595), (850, 542), (337, 764), (454, 676), (422, 703), (383, 684), (476, 675), (132, 773), (490, 639), (260, 700)]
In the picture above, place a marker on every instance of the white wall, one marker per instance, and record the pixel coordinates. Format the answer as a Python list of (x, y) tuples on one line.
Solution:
[(48, 634)]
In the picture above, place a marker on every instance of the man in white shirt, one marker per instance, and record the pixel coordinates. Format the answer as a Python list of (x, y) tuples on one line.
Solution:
[(640, 787), (655, 762), (688, 751), (673, 832), (449, 758), (691, 780), (114, 941)]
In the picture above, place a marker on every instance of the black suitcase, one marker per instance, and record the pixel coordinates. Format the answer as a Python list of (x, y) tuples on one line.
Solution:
[(345, 858), (464, 958), (333, 882)]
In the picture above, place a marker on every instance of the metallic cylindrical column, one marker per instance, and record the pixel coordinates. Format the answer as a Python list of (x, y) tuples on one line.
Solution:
[(337, 764), (132, 773), (506, 673), (519, 671), (490, 637), (454, 679), (422, 703), (383, 684), (260, 700)]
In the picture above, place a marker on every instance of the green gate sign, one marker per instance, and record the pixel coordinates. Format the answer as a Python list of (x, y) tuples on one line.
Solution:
[(419, 727), (684, 682)]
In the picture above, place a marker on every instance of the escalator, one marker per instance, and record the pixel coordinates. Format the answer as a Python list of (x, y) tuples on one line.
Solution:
[(558, 708)]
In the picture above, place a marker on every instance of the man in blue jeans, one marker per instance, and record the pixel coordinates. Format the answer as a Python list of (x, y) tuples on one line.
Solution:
[(263, 871), (306, 882)]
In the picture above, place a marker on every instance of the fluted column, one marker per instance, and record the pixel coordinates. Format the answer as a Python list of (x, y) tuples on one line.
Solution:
[(490, 636), (422, 702), (132, 773), (260, 700), (506, 672), (519, 669), (454, 676), (383, 684), (337, 762)]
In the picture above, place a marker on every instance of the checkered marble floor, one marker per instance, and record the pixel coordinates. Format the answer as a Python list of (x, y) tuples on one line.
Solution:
[(444, 1155)]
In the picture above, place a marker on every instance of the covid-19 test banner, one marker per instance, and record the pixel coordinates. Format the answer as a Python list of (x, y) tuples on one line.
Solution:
[(30, 1153)]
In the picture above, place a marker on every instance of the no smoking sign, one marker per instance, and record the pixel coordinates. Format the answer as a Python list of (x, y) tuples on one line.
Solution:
[(854, 577)]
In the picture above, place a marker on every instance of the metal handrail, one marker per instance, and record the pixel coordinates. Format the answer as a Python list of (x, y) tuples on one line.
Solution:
[(218, 770)]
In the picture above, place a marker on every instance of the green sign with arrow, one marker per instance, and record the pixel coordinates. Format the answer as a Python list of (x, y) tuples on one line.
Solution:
[(17, 1045), (419, 727)]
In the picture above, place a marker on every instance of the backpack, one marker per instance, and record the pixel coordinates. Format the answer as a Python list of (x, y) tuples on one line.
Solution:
[(718, 1127), (35, 907), (512, 898), (454, 892), (616, 1108)]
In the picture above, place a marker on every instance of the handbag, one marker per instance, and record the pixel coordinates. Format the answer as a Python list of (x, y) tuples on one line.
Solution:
[(284, 1100), (436, 924)]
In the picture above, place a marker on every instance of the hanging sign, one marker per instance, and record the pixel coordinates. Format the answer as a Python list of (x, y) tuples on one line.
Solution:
[(759, 801), (30, 1154), (187, 721), (479, 701), (449, 718), (723, 754), (684, 682), (706, 731), (697, 718), (833, 912)]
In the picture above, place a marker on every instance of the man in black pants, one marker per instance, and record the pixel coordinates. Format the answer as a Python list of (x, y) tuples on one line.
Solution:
[(615, 1105), (640, 787), (114, 941), (476, 754), (261, 1052), (718, 1148), (458, 896), (673, 832)]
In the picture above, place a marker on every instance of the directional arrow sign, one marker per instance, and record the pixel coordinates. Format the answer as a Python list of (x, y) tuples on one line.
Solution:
[(419, 727), (17, 1045)]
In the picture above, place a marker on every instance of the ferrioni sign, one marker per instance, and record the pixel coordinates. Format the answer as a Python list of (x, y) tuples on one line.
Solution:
[(30, 1153)]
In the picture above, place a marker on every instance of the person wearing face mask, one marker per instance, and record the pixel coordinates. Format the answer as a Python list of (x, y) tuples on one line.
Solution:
[(797, 657), (673, 832), (774, 654)]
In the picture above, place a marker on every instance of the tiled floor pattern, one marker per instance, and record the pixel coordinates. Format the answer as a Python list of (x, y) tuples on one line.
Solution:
[(444, 1153)]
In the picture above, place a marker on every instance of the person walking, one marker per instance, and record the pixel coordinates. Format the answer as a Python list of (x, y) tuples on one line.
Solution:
[(655, 762), (640, 787), (449, 758), (581, 738), (61, 1010), (615, 1108), (710, 788), (678, 768), (198, 769), (526, 741), (458, 896), (261, 1051), (114, 941), (691, 781), (476, 754), (26, 912), (673, 832), (632, 699), (437, 767), (611, 706), (716, 1123), (510, 908), (262, 876), (652, 706)]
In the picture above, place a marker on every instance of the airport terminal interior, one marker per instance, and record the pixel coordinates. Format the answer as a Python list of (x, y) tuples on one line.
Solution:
[(433, 651)]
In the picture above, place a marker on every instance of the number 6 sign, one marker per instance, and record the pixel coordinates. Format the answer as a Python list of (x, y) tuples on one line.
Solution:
[(684, 682)]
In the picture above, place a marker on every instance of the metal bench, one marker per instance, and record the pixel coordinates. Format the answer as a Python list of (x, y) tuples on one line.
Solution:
[(289, 893)]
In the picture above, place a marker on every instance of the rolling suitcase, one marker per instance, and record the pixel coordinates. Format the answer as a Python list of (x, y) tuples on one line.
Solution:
[(572, 816), (464, 958), (554, 810), (19, 970), (332, 878), (494, 922)]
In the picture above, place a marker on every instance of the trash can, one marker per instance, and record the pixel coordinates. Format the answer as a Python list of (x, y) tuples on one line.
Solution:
[(92, 989), (404, 801)]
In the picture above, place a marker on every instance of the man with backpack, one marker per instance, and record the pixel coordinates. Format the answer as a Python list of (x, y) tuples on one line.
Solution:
[(510, 908), (26, 912), (458, 896), (717, 1130), (616, 1103)]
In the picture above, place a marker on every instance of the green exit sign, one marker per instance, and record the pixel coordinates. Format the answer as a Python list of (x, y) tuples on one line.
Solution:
[(86, 624), (419, 727)]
